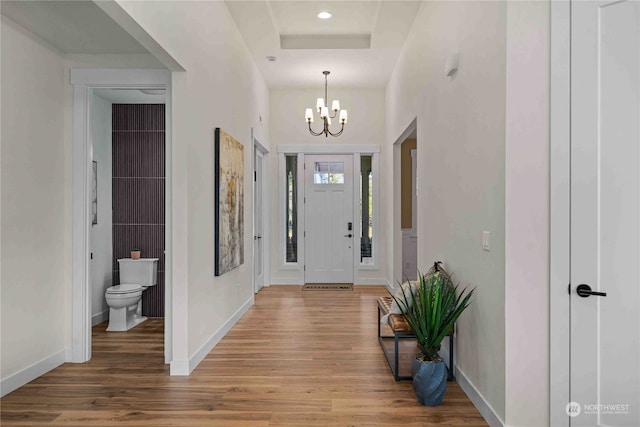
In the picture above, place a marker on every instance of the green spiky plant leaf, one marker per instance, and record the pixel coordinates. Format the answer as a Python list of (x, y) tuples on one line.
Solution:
[(435, 306)]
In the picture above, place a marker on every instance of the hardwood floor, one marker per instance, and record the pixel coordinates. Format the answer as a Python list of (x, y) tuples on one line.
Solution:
[(295, 359)]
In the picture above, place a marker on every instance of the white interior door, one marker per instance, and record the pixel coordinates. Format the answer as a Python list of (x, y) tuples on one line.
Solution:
[(329, 225), (258, 226), (605, 213)]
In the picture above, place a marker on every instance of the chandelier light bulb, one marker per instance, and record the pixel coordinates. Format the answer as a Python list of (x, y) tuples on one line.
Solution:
[(335, 105), (319, 104), (308, 115), (343, 116)]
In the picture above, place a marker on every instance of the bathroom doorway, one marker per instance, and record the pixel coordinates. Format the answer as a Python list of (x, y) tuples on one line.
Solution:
[(128, 209), (100, 238)]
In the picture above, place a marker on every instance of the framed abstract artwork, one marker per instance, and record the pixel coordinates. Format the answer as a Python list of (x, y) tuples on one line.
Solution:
[(229, 202)]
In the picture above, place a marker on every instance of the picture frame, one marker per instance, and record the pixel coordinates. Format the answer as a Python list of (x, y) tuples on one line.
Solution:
[(228, 203)]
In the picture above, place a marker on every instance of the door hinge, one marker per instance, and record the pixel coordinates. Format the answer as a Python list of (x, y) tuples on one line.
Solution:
[(304, 234), (255, 176), (569, 289), (304, 267)]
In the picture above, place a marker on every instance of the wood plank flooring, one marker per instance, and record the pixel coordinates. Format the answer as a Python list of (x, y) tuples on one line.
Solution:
[(295, 359)]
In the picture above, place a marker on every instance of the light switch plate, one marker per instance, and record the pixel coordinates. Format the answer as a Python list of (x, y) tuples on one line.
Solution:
[(486, 241)]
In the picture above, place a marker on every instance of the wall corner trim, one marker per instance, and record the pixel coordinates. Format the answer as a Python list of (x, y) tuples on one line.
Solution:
[(179, 368), (30, 373), (478, 400), (202, 352)]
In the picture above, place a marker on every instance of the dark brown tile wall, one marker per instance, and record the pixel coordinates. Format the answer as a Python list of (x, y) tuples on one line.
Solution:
[(138, 191)]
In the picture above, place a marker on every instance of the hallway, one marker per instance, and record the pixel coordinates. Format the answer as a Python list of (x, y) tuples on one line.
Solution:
[(296, 358)]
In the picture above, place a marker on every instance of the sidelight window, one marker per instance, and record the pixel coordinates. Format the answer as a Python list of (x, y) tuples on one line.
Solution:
[(291, 208), (366, 209)]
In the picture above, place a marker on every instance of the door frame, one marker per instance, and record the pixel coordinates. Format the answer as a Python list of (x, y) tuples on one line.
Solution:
[(257, 146), (560, 203), (353, 149), (84, 81)]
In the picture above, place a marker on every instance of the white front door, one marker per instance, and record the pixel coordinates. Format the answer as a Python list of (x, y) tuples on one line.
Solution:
[(258, 226), (605, 214), (329, 225)]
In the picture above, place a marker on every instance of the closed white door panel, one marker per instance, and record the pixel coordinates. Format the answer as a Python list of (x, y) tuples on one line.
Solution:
[(328, 212), (605, 213)]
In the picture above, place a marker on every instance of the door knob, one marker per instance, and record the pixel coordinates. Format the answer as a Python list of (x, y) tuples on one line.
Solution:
[(348, 235), (585, 291)]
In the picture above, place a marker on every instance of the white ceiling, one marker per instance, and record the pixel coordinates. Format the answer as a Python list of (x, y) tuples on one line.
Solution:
[(315, 45), (320, 43), (73, 27)]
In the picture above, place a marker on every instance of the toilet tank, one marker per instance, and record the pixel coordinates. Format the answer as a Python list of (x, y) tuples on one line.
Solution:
[(143, 271)]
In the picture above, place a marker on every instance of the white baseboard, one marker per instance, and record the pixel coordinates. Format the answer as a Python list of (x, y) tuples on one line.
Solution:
[(286, 281), (202, 352), (444, 354), (390, 287), (478, 400), (30, 373), (372, 281), (99, 318)]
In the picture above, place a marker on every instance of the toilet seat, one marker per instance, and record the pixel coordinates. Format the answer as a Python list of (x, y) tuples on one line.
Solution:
[(124, 288)]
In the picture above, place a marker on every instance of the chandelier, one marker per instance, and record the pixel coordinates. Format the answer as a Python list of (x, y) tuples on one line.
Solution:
[(324, 113)]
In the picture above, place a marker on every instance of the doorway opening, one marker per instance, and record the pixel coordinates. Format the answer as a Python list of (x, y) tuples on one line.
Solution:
[(96, 139), (405, 219), (332, 188), (127, 134), (408, 169)]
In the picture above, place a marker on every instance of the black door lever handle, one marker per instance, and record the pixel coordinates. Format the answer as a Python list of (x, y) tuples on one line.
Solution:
[(585, 291)]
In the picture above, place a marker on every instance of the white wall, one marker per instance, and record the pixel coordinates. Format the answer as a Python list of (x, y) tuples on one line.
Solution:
[(221, 87), (365, 126), (101, 233), (461, 169), (34, 235), (483, 162), (527, 215)]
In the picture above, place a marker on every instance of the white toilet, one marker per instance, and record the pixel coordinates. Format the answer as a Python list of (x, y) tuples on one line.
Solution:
[(125, 299)]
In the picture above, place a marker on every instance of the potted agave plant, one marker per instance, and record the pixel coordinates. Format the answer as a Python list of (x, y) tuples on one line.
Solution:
[(431, 311)]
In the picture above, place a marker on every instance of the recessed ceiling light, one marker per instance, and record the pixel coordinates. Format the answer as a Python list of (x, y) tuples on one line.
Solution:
[(271, 58), (324, 15)]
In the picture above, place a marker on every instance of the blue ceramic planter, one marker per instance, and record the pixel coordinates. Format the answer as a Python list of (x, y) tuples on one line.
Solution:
[(429, 381)]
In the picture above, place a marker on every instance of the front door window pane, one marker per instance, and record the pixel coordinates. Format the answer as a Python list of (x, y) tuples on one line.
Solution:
[(328, 173)]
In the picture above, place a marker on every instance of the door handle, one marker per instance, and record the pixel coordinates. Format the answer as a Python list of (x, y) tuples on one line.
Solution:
[(585, 291), (257, 237), (348, 235)]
